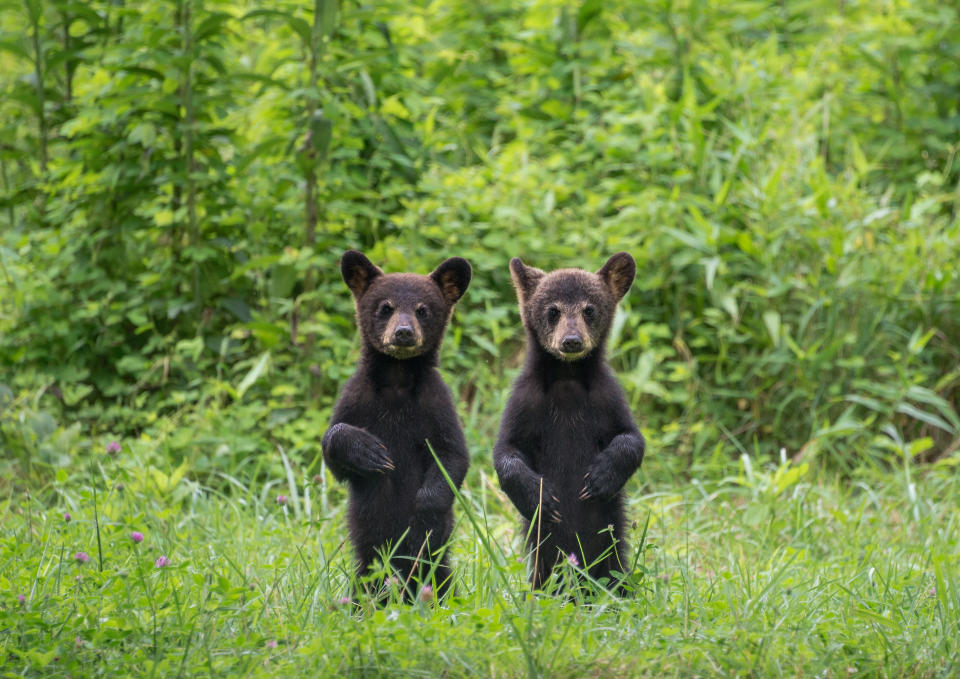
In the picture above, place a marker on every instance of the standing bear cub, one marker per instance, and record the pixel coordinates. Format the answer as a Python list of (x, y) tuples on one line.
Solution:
[(390, 410), (567, 441)]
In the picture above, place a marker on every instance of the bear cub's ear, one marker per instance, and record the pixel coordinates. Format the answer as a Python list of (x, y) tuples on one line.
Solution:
[(358, 272), (618, 273), (525, 278), (453, 276)]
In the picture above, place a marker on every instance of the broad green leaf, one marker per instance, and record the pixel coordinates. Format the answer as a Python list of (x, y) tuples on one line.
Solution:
[(254, 374)]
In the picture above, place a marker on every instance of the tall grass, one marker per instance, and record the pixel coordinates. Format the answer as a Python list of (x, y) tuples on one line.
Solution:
[(774, 570)]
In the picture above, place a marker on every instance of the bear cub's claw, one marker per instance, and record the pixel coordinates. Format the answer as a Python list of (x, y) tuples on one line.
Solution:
[(555, 515), (372, 455), (600, 483), (551, 509)]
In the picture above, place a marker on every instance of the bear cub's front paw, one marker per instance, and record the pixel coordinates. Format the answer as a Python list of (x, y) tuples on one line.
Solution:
[(371, 454), (551, 505), (600, 482)]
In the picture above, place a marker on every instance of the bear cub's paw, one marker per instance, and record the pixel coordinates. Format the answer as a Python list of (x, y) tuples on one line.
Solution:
[(359, 449), (601, 482), (550, 509)]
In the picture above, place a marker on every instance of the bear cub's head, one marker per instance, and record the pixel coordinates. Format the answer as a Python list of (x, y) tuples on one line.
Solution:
[(403, 314), (569, 311)]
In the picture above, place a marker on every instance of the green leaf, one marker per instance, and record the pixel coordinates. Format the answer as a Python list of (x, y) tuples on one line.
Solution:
[(321, 132), (870, 403), (15, 48), (865, 613), (75, 393), (556, 109), (328, 16), (283, 278), (211, 26), (771, 319), (923, 416), (253, 375), (297, 24), (587, 12), (237, 307), (144, 134), (163, 217), (917, 393)]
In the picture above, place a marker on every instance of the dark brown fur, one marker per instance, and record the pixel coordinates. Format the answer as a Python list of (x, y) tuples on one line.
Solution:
[(567, 424), (393, 405)]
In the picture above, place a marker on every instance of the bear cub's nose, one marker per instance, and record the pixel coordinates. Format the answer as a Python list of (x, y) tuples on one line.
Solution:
[(571, 344), (404, 336)]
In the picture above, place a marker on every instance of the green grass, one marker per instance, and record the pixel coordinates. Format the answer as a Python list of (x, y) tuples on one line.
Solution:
[(766, 572), (786, 174)]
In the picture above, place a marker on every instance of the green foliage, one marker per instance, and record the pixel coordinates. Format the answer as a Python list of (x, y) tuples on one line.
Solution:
[(770, 572), (179, 178)]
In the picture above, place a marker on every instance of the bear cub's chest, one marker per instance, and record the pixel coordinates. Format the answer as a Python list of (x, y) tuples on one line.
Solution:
[(570, 430), (404, 420)]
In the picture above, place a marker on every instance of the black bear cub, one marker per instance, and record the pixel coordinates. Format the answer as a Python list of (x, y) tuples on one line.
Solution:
[(390, 409), (567, 441)]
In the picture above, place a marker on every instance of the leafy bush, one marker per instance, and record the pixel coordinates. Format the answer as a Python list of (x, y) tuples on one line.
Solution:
[(178, 181)]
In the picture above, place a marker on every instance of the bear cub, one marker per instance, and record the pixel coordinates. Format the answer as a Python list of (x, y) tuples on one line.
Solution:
[(393, 405), (568, 442)]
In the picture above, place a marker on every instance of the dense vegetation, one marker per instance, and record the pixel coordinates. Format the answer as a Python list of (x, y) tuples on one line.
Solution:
[(762, 574), (178, 179)]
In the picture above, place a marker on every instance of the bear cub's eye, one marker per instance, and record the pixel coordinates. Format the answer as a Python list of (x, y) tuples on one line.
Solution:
[(385, 309), (589, 312), (553, 315), (422, 311)]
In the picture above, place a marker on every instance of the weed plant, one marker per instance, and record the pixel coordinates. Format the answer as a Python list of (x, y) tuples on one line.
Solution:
[(774, 570)]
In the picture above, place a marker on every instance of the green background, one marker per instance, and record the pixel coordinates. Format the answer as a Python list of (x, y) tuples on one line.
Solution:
[(179, 178)]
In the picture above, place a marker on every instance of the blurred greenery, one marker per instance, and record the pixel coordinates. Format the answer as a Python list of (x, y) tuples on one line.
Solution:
[(178, 179)]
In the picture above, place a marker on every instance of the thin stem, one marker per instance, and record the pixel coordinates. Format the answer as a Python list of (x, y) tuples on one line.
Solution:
[(68, 63), (535, 581), (186, 96), (96, 517), (11, 213), (149, 593), (38, 76)]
